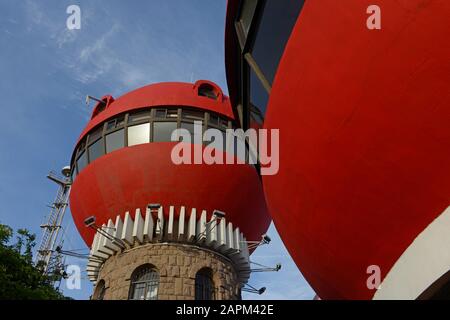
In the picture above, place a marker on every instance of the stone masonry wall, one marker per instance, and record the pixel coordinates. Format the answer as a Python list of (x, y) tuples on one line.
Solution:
[(177, 265)]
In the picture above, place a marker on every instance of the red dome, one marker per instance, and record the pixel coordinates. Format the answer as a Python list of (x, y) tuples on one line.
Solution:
[(163, 94), (132, 177), (364, 152)]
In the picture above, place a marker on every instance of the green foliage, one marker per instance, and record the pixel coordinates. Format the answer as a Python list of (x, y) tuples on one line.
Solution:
[(19, 278)]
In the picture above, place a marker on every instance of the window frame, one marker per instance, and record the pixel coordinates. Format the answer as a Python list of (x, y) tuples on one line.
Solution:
[(205, 286), (126, 123), (154, 281)]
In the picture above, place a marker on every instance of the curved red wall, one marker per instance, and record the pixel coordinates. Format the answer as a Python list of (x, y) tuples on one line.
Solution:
[(133, 177), (364, 150)]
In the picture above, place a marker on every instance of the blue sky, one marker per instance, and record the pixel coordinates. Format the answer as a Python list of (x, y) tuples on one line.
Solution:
[(47, 70)]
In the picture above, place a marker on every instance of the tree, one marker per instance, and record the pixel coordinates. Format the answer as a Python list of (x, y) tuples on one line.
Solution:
[(19, 278)]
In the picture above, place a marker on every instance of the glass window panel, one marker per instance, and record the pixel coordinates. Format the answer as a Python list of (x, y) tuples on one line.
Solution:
[(221, 147), (115, 141), (172, 113), (96, 134), (160, 113), (139, 116), (193, 114), (162, 131), (139, 134), (255, 116), (82, 162), (81, 147), (120, 121), (276, 25), (96, 150), (223, 123), (190, 127), (74, 174), (204, 286), (116, 123), (258, 94), (139, 291), (247, 13), (207, 91), (213, 119), (111, 125)]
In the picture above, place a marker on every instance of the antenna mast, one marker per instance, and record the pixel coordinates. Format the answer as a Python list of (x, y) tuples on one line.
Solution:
[(48, 259)]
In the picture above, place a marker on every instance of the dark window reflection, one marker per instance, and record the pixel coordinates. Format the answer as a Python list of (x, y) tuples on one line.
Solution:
[(97, 133), (258, 94), (204, 285), (96, 150), (276, 25), (82, 162), (247, 13), (190, 127), (115, 141), (162, 131)]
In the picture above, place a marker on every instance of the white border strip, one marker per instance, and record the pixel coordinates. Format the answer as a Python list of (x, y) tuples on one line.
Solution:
[(217, 236), (423, 262)]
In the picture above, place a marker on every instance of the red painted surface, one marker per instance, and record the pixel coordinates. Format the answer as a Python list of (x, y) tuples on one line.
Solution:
[(163, 94), (133, 177), (364, 164)]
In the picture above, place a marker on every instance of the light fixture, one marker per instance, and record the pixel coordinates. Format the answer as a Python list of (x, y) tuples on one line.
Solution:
[(154, 206), (219, 214), (263, 268), (252, 289), (90, 221), (266, 239)]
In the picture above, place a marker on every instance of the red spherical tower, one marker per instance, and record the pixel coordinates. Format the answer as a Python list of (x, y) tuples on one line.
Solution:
[(362, 196), (185, 227)]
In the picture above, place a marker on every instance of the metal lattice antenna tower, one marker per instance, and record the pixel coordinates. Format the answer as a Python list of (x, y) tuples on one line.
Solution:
[(48, 260)]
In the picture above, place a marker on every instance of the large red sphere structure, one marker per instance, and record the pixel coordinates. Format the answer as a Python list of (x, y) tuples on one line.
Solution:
[(365, 150), (127, 170), (364, 119)]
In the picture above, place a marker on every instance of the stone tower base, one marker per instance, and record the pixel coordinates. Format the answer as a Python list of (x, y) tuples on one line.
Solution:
[(177, 265)]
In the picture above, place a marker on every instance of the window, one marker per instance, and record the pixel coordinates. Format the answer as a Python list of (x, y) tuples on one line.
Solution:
[(160, 113), (204, 285), (96, 150), (275, 28), (222, 146), (138, 134), (247, 13), (82, 161), (255, 115), (144, 284), (100, 290), (190, 127), (193, 115), (115, 141), (74, 173), (258, 94), (96, 134), (172, 113), (162, 131), (139, 116), (116, 123), (208, 91), (81, 147)]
